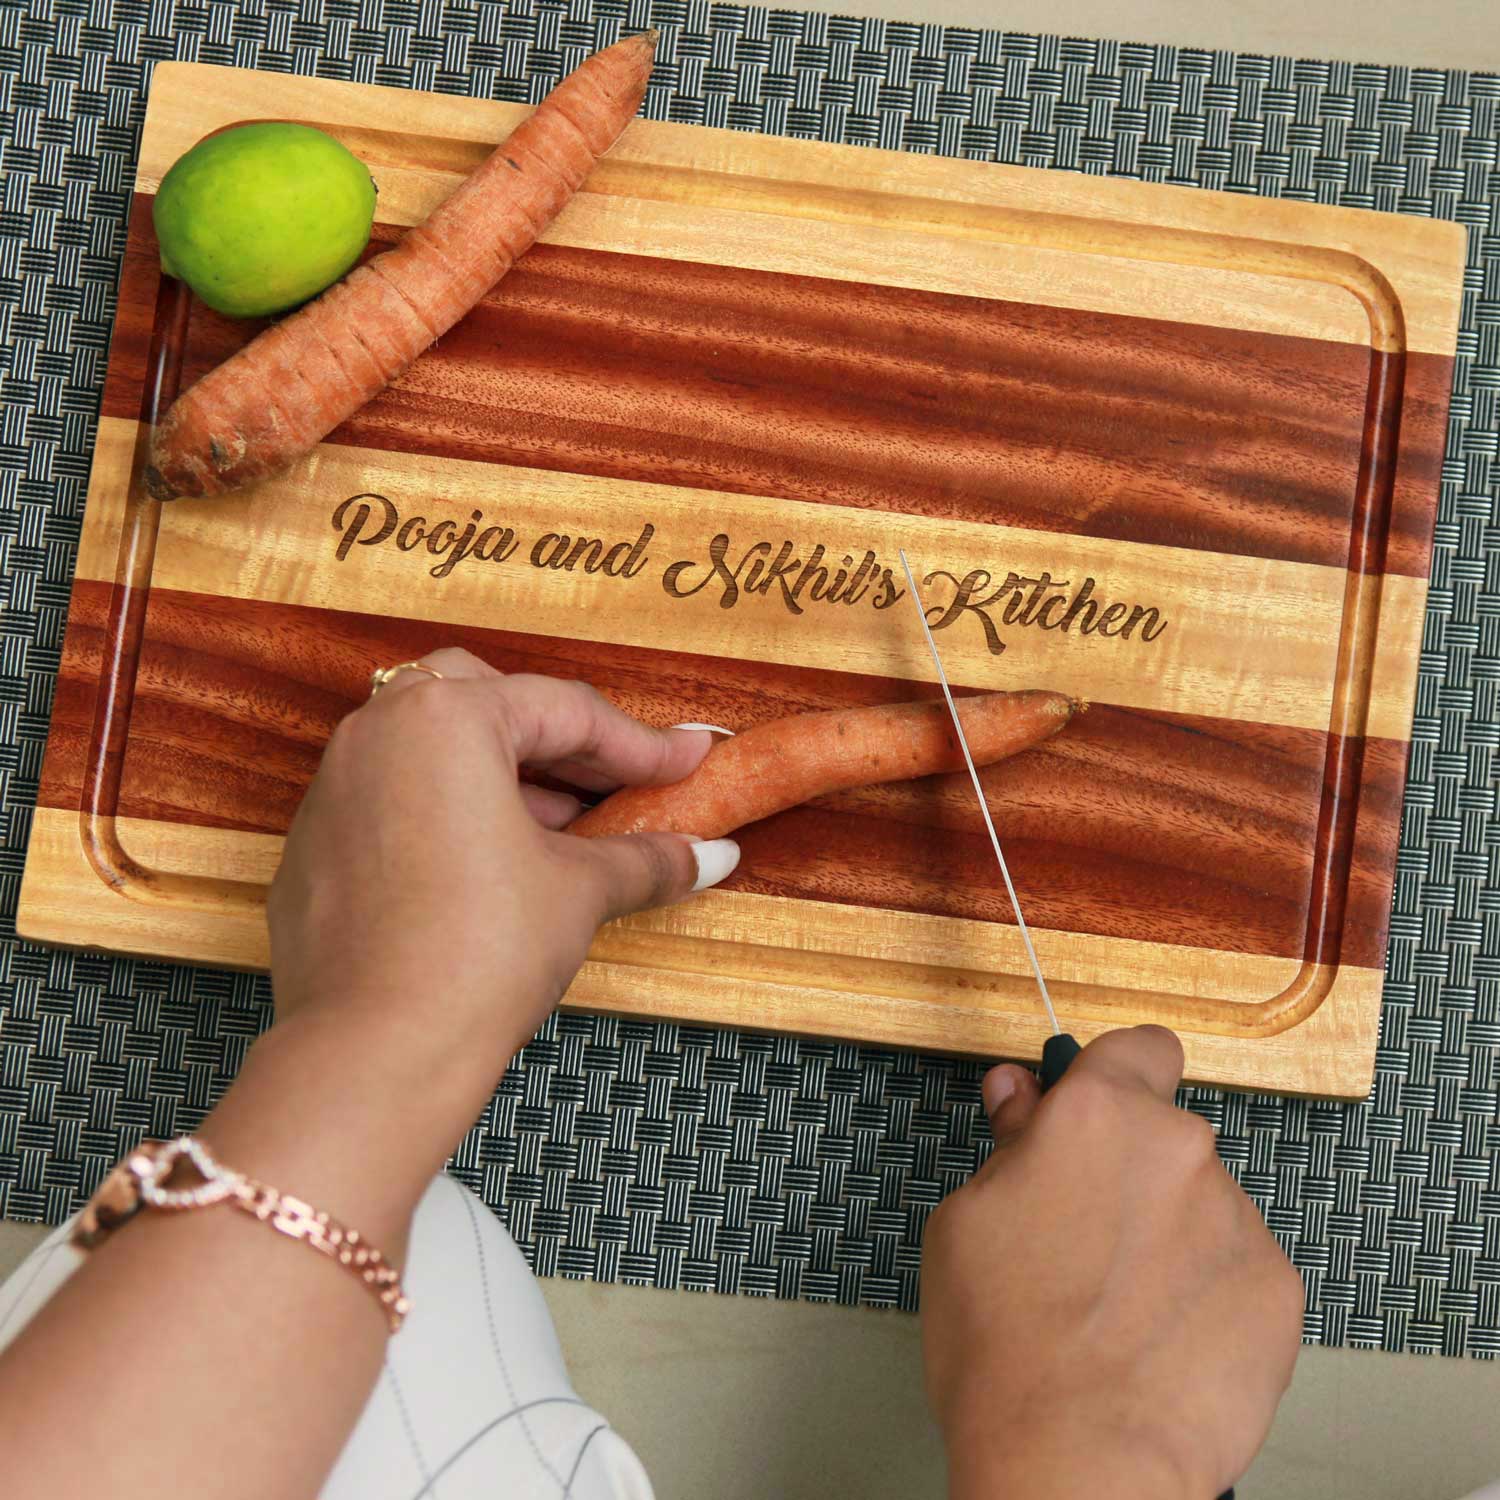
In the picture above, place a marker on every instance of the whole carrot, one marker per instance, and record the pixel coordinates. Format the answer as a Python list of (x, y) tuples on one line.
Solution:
[(785, 762), (276, 399)]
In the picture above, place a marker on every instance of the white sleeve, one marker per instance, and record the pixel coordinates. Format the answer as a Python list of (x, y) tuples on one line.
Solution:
[(474, 1399), (31, 1285)]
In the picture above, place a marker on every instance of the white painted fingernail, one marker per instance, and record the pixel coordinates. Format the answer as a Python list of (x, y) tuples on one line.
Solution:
[(716, 859), (711, 728)]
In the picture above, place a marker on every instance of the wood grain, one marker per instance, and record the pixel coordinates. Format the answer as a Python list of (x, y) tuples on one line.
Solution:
[(1233, 806), (715, 377), (937, 1007), (388, 529), (989, 955), (1115, 234)]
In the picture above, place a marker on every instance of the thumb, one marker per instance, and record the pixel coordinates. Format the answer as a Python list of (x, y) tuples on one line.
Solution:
[(1011, 1095), (632, 872)]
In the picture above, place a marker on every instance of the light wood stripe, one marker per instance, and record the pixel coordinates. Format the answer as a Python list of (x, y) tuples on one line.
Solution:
[(1331, 1053), (1045, 237), (887, 253), (659, 965), (815, 928), (258, 547)]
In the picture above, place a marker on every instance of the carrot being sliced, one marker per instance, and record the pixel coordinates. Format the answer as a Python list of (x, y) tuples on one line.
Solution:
[(275, 400), (785, 762)]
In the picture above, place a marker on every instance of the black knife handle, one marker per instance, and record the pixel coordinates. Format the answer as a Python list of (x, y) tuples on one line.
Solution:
[(1057, 1057)]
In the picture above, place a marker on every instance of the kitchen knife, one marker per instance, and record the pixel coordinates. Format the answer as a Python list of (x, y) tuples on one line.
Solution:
[(1060, 1048)]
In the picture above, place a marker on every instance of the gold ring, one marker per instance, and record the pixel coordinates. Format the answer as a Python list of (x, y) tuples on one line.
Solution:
[(381, 676)]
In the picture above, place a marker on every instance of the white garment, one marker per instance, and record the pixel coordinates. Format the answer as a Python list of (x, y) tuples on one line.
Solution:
[(474, 1398)]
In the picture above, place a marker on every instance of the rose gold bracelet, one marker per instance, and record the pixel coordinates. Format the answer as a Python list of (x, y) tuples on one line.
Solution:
[(138, 1182)]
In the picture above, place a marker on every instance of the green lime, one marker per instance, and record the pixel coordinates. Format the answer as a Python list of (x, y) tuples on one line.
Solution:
[(259, 218)]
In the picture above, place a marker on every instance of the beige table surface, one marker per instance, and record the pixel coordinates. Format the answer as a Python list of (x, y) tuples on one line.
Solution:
[(729, 1398), (1425, 33)]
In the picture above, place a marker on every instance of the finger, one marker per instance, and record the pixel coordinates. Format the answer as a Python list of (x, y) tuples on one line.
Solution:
[(553, 722), (641, 870), (576, 774), (1011, 1095), (451, 663), (579, 775), (551, 809), (1148, 1055)]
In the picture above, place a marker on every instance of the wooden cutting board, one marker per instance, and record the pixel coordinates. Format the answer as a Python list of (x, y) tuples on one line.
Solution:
[(1174, 452)]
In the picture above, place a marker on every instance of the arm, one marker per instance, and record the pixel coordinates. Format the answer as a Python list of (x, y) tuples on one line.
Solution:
[(426, 918), (1104, 1313)]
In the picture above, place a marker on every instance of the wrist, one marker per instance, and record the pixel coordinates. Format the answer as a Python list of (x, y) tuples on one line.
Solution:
[(459, 1042), (333, 1125), (1063, 1459)]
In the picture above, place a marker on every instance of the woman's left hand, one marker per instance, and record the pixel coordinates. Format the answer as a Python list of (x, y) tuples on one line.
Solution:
[(427, 916)]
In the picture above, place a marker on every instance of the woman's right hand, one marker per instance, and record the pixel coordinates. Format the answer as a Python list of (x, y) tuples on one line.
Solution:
[(1104, 1311)]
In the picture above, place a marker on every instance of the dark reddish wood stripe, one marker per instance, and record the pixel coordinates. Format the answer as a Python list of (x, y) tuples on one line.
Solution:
[(121, 644), (1343, 764), (890, 399), (1421, 436), (127, 386), (1130, 824)]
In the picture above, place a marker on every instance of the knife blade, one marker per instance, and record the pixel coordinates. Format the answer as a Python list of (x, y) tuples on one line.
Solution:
[(1060, 1048)]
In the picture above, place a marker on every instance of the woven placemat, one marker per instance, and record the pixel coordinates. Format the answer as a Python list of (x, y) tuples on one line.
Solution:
[(730, 1161)]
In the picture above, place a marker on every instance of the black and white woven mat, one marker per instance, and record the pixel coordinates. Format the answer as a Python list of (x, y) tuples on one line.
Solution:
[(738, 1162)]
